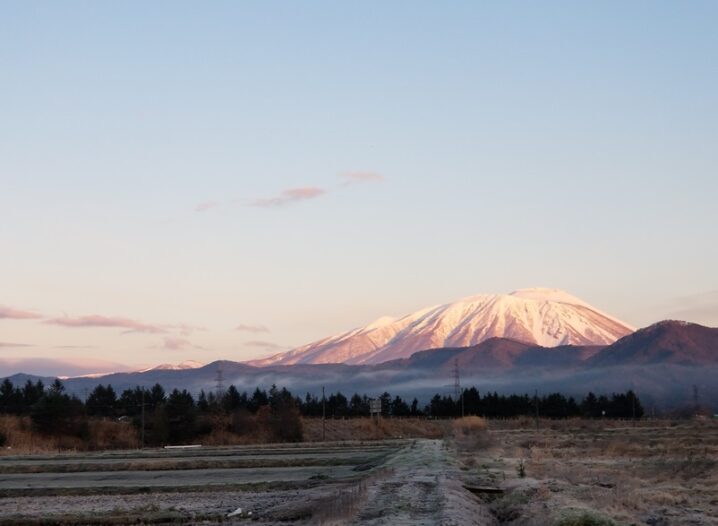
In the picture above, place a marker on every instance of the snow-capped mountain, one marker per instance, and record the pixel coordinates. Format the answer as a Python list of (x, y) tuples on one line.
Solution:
[(187, 364), (546, 317)]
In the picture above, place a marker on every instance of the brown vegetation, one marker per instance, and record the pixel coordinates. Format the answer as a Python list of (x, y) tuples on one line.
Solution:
[(101, 434), (373, 429), (470, 432), (239, 428), (599, 472)]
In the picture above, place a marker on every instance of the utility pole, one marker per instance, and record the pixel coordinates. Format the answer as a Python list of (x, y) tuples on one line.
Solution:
[(633, 402), (536, 402), (143, 418), (696, 407), (458, 392), (633, 406), (324, 416)]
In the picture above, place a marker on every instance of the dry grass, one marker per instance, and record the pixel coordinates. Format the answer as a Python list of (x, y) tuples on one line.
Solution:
[(373, 429), (109, 434), (654, 472), (103, 434), (470, 433), (21, 438), (469, 426)]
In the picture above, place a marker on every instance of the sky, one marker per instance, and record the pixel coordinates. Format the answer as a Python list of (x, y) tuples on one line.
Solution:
[(205, 180)]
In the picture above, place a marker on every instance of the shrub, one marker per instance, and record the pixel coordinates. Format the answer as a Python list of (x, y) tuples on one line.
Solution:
[(242, 422), (469, 425), (469, 432), (521, 469), (285, 422), (108, 434), (3, 439)]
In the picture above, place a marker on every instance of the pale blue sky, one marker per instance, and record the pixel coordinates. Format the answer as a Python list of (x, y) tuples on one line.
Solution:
[(520, 144)]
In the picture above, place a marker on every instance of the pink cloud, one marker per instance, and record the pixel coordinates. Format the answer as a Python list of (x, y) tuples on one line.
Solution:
[(251, 328), (361, 177), (8, 313), (207, 205), (96, 320), (178, 344), (291, 195), (185, 329), (9, 345)]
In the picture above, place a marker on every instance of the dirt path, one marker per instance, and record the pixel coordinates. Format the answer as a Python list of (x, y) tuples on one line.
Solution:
[(422, 488)]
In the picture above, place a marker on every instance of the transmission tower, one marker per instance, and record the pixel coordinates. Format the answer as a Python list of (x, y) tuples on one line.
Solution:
[(457, 380), (219, 381)]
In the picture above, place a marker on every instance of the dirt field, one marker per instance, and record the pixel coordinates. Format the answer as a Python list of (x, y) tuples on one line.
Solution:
[(503, 472), (401, 482)]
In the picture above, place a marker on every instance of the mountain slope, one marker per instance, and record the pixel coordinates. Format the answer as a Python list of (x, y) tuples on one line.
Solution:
[(671, 342), (545, 317)]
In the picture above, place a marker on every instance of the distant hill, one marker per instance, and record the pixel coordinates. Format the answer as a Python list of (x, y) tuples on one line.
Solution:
[(498, 353), (666, 342)]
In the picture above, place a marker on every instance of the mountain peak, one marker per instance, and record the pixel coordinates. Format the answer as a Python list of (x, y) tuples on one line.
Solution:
[(547, 294), (543, 316), (187, 364)]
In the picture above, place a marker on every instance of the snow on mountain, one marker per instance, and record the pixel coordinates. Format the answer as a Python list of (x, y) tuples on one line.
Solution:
[(546, 317), (187, 364)]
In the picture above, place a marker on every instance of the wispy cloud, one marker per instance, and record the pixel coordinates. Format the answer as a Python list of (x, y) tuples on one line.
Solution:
[(75, 347), (350, 178), (289, 196), (303, 193), (185, 329), (206, 205), (243, 327), (8, 313), (96, 320), (10, 345), (263, 344), (177, 344)]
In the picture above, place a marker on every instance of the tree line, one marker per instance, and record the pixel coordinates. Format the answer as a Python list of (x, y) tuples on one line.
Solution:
[(178, 416)]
